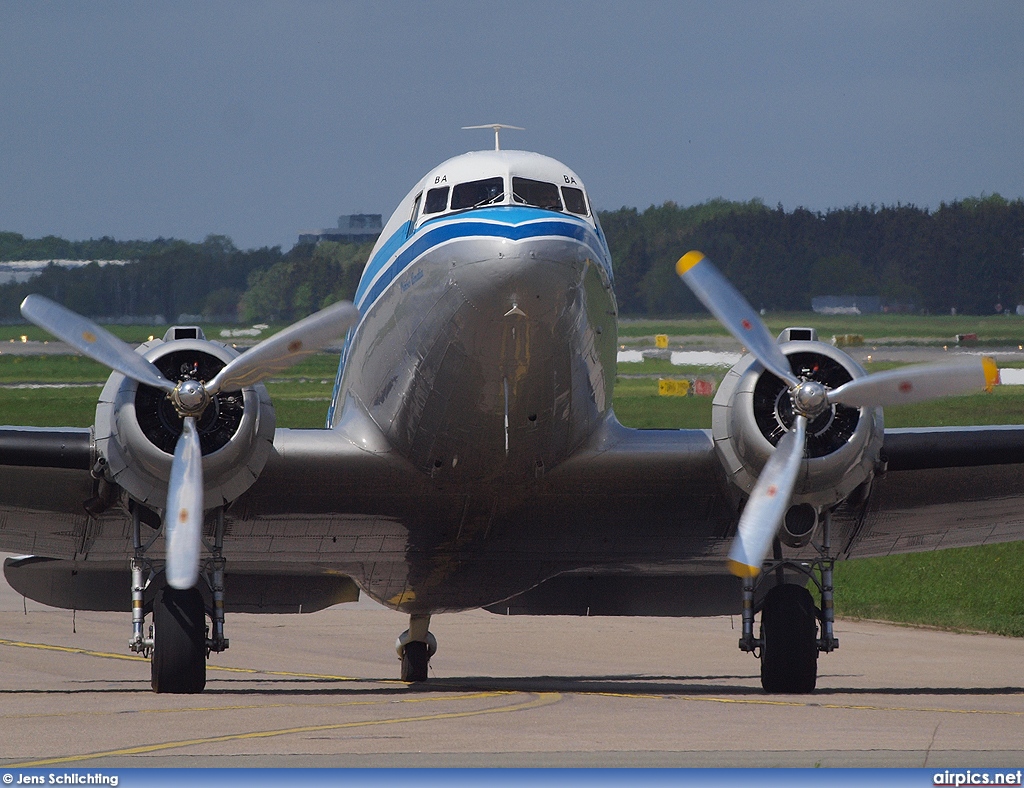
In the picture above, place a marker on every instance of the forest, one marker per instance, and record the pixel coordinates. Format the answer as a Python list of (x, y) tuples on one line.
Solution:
[(966, 255)]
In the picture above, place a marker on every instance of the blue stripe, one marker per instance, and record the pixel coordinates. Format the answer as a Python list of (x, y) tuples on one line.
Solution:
[(388, 250), (513, 223)]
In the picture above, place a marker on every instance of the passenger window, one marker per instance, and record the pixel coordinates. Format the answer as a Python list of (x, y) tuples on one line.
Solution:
[(538, 193), (575, 202), (477, 193), (437, 200)]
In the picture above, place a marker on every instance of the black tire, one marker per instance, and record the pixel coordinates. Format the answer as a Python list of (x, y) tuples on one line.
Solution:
[(789, 650), (179, 641), (414, 661)]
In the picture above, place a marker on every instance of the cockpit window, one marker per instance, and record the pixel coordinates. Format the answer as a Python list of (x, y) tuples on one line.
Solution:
[(437, 200), (575, 202), (415, 210), (537, 193), (477, 193)]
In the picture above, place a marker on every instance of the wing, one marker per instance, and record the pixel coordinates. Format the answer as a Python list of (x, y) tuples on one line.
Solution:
[(656, 515), (942, 487), (639, 492), (74, 528), (52, 503), (44, 484), (938, 487)]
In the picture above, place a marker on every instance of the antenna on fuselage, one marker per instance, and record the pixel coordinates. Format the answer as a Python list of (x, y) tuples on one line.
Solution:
[(497, 127)]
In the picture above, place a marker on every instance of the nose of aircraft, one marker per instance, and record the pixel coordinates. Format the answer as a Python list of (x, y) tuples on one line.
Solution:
[(534, 279)]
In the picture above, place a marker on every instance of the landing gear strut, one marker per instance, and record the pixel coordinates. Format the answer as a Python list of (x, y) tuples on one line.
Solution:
[(789, 644), (415, 647)]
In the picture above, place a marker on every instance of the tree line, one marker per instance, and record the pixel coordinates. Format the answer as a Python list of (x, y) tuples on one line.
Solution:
[(14, 246), (967, 255)]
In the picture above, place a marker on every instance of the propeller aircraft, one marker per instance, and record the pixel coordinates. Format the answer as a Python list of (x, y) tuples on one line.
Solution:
[(471, 456)]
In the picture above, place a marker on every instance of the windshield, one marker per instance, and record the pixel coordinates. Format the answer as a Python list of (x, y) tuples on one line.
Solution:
[(477, 193), (437, 200), (537, 193), (575, 202)]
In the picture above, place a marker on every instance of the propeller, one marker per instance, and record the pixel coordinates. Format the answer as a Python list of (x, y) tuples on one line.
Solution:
[(183, 513), (773, 491), (90, 340)]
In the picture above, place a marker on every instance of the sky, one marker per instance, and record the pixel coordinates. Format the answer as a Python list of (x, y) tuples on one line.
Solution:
[(258, 120)]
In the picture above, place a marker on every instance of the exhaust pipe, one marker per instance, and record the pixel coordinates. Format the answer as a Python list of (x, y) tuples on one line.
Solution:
[(799, 525)]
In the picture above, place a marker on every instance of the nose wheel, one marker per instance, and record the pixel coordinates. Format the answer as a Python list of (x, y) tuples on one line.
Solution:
[(179, 641), (414, 662), (415, 647), (789, 646)]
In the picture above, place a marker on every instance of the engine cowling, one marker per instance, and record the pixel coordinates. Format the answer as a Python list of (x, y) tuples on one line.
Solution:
[(137, 426), (752, 411)]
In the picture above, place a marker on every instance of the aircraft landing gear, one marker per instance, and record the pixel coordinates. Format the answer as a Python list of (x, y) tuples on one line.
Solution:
[(789, 643), (178, 642), (415, 647)]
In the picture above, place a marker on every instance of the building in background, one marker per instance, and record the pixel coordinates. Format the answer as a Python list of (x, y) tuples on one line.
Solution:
[(846, 305), (355, 228), (23, 270)]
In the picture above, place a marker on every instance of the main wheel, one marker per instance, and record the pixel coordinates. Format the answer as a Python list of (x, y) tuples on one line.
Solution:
[(179, 641), (789, 650), (414, 661)]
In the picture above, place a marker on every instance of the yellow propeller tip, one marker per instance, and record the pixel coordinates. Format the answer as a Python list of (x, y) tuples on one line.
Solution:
[(688, 261), (991, 372), (743, 570)]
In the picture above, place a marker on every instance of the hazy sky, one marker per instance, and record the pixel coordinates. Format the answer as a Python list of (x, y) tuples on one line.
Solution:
[(259, 119)]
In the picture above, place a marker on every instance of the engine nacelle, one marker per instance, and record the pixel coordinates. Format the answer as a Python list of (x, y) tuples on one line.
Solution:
[(752, 411), (137, 426)]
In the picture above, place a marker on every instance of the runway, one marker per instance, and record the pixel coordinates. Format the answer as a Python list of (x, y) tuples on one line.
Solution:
[(320, 690)]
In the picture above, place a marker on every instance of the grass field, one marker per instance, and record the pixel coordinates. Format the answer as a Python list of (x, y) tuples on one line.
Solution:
[(966, 588), (133, 333), (1006, 328), (300, 394), (1003, 329)]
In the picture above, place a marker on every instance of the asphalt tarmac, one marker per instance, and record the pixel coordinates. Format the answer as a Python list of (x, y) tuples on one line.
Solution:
[(320, 690)]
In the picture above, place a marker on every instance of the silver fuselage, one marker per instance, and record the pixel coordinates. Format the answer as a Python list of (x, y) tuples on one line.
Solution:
[(489, 352)]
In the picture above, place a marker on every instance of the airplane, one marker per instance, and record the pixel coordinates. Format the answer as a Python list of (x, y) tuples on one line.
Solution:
[(471, 456)]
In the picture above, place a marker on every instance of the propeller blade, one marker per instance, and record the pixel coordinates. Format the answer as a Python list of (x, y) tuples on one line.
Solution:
[(918, 383), (734, 312), (89, 339), (768, 503), (285, 348), (183, 517)]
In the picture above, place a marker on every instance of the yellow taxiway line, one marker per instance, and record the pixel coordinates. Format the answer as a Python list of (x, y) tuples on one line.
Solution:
[(542, 699)]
